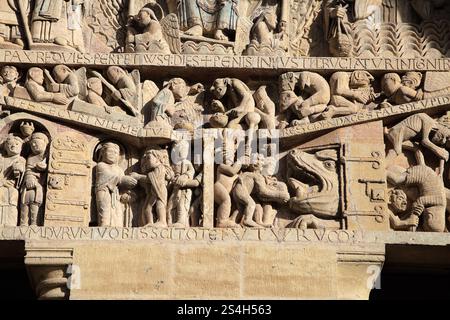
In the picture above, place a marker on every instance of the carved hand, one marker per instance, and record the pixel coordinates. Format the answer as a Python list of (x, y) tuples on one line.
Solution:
[(417, 209), (339, 12), (30, 183), (54, 87), (412, 221), (361, 97), (59, 98), (128, 182), (236, 113), (306, 104), (198, 87), (125, 198), (443, 154), (217, 106), (41, 166), (181, 181)]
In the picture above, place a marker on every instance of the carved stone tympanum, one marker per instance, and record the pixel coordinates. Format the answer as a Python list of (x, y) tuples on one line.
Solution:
[(168, 149)]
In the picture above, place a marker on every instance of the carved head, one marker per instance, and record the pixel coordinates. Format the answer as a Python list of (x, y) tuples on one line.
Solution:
[(219, 88), (145, 17), (288, 81), (390, 83), (36, 74), (412, 80), (153, 158), (360, 79), (109, 153), (114, 74), (13, 145), (178, 87), (398, 200), (304, 80), (38, 143), (9, 74), (440, 137), (61, 72), (95, 85), (180, 151), (270, 16)]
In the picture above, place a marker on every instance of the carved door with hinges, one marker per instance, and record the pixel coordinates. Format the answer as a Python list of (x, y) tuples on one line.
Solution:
[(363, 186), (69, 181)]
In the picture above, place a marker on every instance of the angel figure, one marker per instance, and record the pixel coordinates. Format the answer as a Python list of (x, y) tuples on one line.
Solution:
[(148, 30), (145, 33)]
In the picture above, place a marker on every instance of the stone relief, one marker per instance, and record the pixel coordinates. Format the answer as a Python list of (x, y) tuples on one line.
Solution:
[(340, 28), (113, 126)]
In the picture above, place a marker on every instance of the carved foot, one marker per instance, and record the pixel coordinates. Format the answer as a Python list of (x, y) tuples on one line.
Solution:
[(159, 224), (227, 224), (300, 122), (303, 222), (179, 225), (195, 31), (219, 35), (329, 113), (250, 223), (266, 225)]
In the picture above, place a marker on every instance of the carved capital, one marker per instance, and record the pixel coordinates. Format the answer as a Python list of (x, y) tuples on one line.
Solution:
[(47, 269)]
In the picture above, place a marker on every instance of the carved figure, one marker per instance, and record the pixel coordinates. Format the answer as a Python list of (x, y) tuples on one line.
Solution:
[(226, 175), (34, 85), (257, 185), (110, 179), (350, 92), (398, 217), (338, 32), (176, 97), (12, 167), (9, 77), (216, 18), (314, 179), (11, 31), (397, 93), (183, 184), (59, 22), (145, 33), (66, 82), (265, 107), (238, 100), (155, 178), (125, 89), (264, 39), (287, 85), (32, 189), (431, 203), (315, 96), (432, 135)]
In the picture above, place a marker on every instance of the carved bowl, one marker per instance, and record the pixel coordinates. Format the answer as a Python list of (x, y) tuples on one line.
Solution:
[(219, 120)]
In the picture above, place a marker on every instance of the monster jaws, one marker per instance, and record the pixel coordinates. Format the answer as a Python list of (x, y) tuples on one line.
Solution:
[(315, 183)]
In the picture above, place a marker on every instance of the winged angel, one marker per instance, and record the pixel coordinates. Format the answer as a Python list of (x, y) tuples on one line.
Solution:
[(116, 29)]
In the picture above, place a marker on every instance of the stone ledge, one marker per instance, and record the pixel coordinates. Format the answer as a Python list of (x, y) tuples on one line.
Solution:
[(145, 60), (218, 235), (166, 134)]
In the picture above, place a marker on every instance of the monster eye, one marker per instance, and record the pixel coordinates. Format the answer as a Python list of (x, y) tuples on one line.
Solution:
[(329, 164)]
